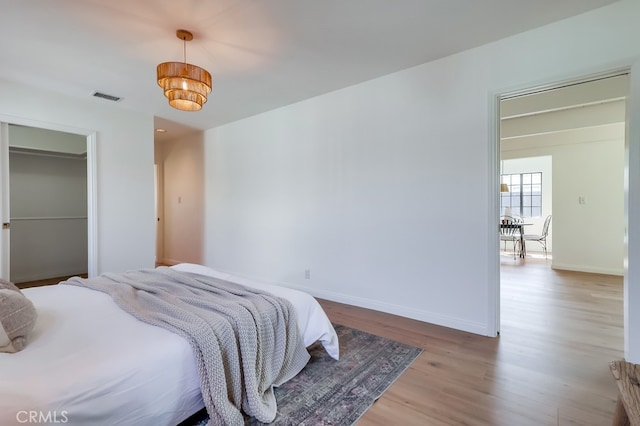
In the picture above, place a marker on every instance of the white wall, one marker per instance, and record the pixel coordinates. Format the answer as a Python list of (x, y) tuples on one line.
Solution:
[(589, 236), (125, 222), (181, 163), (365, 189)]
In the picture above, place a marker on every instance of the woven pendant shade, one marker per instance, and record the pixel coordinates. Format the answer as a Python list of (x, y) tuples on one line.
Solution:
[(186, 86)]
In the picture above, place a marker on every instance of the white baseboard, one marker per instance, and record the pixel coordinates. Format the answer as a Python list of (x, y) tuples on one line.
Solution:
[(589, 269), (403, 311)]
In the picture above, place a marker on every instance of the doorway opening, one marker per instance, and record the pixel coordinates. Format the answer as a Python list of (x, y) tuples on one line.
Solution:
[(48, 204), (581, 126)]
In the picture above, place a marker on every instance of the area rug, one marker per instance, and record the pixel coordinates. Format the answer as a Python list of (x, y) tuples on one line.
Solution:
[(329, 392)]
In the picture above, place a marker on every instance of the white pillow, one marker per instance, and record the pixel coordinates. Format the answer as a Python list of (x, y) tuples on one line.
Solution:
[(200, 269)]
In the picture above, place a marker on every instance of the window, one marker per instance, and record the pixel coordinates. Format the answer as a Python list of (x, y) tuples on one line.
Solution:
[(525, 195)]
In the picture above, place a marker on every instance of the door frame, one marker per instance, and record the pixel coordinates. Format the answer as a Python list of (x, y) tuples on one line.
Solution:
[(159, 207), (495, 97), (92, 193)]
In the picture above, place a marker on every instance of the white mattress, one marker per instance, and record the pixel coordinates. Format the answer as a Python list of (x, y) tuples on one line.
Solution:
[(89, 362)]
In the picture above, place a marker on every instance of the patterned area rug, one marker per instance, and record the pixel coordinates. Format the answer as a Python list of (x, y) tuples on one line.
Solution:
[(329, 392)]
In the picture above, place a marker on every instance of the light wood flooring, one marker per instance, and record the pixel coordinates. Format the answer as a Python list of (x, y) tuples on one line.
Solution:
[(559, 331)]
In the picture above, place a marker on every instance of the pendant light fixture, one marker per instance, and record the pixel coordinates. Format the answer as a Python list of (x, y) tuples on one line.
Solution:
[(185, 85)]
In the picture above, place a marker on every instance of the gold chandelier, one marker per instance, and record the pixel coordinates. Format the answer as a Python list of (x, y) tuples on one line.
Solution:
[(185, 85)]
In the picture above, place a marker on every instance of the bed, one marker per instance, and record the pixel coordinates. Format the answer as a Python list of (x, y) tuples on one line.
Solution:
[(127, 372)]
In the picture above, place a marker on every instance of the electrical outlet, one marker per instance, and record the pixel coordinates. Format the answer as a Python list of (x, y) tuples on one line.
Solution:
[(307, 274)]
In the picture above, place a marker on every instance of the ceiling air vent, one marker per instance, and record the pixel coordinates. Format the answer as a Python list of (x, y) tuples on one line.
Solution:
[(107, 97)]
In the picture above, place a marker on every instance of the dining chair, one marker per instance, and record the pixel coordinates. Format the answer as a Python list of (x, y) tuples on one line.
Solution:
[(508, 219), (518, 219), (542, 237), (509, 233)]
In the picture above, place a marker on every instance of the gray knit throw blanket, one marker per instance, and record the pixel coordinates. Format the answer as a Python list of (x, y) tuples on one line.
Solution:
[(245, 341)]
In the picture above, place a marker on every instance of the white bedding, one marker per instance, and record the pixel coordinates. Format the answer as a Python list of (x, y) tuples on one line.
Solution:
[(127, 373)]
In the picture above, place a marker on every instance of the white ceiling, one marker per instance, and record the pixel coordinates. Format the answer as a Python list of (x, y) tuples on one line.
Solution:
[(574, 113), (600, 102), (263, 54)]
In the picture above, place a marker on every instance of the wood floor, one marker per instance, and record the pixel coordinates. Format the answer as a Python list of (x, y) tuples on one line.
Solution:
[(559, 331), (47, 281)]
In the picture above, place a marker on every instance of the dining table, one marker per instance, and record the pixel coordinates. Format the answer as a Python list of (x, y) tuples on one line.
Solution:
[(520, 230)]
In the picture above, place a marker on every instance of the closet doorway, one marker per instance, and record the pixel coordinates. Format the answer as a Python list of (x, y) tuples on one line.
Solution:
[(48, 204)]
